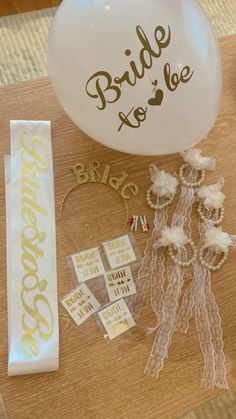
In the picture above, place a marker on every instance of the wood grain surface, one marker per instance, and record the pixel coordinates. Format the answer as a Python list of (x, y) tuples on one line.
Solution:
[(98, 380), (9, 7)]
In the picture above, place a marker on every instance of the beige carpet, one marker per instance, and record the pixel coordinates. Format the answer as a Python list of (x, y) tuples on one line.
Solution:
[(23, 39)]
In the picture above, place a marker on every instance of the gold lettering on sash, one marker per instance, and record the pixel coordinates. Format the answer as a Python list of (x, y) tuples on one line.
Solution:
[(36, 326)]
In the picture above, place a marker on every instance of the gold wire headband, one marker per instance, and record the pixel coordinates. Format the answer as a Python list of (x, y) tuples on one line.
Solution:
[(72, 190)]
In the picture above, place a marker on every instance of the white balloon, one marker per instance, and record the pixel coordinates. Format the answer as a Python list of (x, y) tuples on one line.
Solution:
[(140, 76)]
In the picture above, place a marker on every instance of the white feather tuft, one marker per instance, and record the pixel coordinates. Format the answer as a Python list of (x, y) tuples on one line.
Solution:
[(217, 239), (164, 184), (174, 235), (212, 197), (194, 159)]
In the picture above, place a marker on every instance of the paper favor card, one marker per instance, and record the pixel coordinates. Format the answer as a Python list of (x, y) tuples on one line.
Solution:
[(116, 319), (119, 252), (87, 264), (80, 304), (120, 283), (31, 250)]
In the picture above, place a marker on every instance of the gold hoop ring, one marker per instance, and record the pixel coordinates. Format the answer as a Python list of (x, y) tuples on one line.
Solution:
[(124, 227)]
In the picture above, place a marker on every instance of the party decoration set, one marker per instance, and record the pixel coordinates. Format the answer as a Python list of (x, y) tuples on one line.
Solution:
[(158, 86), (165, 271), (147, 81), (111, 278)]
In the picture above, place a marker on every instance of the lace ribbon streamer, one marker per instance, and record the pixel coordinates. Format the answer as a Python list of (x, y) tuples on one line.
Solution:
[(151, 269), (199, 299), (159, 352)]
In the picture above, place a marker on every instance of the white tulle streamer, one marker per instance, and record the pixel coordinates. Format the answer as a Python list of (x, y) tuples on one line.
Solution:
[(217, 239), (211, 195), (164, 184), (194, 158), (175, 236)]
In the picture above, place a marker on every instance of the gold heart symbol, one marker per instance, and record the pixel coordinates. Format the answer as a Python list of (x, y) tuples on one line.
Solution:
[(157, 100)]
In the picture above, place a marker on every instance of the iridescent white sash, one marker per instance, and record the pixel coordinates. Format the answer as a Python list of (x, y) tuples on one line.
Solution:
[(33, 336)]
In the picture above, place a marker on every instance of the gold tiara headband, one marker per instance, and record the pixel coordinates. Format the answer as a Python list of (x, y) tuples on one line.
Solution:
[(99, 174)]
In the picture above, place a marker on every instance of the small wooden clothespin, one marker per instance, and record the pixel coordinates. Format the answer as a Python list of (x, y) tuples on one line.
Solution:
[(145, 225), (134, 223)]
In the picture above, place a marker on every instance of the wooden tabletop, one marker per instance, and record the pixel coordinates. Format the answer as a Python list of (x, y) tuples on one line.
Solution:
[(96, 379), (9, 7)]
